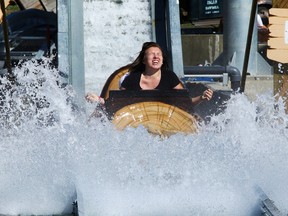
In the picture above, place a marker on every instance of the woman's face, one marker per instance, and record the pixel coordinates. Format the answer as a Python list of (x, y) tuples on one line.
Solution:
[(153, 58)]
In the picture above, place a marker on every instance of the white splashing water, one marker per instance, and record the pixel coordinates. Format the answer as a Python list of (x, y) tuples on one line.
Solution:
[(47, 163), (45, 167), (53, 155)]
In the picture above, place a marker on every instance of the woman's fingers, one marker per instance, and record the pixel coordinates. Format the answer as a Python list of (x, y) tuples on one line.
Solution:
[(91, 97), (94, 98), (207, 94)]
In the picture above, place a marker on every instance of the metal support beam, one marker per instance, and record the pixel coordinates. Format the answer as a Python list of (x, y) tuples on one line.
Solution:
[(251, 25), (174, 37), (71, 44), (152, 6), (236, 17)]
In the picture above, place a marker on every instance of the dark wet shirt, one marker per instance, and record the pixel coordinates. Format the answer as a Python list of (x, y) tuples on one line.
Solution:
[(169, 80)]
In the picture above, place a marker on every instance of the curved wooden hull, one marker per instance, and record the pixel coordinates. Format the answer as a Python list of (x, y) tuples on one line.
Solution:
[(161, 112), (157, 117)]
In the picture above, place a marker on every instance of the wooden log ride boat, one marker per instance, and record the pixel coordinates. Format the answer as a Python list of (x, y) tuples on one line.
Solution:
[(161, 112)]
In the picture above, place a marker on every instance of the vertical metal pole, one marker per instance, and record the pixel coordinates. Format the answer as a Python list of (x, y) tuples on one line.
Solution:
[(248, 44), (236, 14), (43, 6), (71, 44), (236, 17), (152, 6), (174, 32), (20, 5), (63, 36), (77, 47)]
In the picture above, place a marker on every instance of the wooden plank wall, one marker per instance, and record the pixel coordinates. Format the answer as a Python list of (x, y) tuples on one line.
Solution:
[(49, 4), (280, 3), (278, 46), (278, 17)]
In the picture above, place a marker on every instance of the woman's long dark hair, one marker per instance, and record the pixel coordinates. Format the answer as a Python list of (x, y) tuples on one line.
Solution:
[(137, 64)]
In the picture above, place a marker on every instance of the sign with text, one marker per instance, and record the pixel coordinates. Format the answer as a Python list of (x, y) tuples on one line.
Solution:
[(206, 9)]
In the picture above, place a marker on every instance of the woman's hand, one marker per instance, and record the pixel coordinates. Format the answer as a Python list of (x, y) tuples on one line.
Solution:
[(94, 98), (207, 95)]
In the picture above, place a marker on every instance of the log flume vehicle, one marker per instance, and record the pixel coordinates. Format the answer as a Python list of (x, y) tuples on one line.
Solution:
[(161, 112)]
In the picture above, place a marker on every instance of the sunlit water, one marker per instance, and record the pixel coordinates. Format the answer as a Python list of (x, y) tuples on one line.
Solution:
[(51, 154)]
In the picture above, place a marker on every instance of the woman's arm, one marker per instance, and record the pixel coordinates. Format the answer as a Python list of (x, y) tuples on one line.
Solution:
[(94, 98), (179, 86), (207, 95)]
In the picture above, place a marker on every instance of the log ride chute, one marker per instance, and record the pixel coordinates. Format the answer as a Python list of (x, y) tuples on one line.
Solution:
[(161, 112)]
